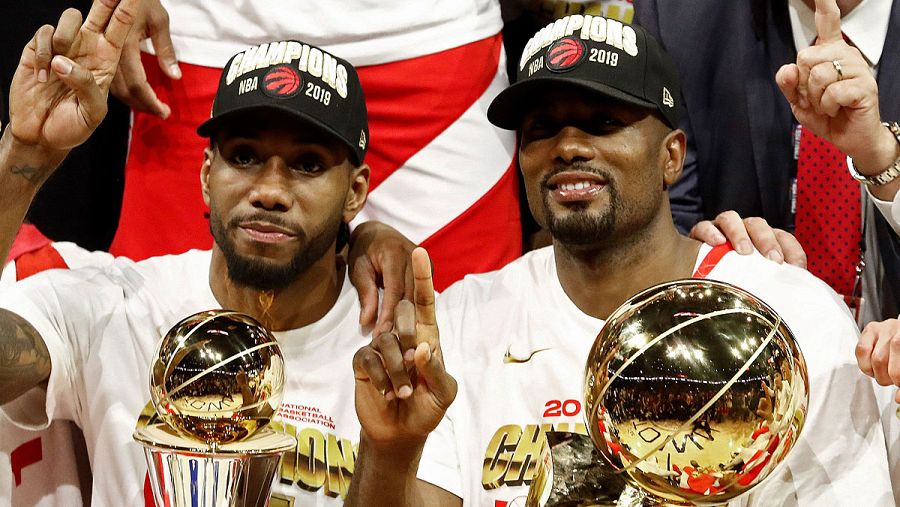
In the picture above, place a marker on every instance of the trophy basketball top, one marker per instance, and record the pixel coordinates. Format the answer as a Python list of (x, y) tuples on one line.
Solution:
[(217, 377), (697, 390)]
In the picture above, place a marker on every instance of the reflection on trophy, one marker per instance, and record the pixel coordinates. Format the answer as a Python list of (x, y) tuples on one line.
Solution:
[(216, 381), (695, 391)]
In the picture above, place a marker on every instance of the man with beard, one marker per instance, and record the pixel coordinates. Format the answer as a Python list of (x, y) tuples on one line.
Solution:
[(283, 175), (596, 108)]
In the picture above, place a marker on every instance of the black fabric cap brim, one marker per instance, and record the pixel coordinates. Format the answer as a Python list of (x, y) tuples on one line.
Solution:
[(510, 105), (210, 126)]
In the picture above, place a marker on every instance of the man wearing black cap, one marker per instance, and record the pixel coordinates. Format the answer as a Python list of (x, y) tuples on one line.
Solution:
[(596, 108), (283, 174)]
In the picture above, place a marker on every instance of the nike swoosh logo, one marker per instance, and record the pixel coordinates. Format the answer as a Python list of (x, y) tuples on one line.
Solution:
[(510, 359)]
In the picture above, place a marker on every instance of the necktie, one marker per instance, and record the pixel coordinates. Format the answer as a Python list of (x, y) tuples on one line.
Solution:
[(828, 221)]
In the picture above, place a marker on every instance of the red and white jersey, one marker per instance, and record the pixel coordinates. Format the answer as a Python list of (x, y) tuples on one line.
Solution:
[(518, 345), (102, 327), (45, 467), (208, 32)]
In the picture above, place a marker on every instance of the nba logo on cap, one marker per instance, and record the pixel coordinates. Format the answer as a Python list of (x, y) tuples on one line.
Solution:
[(565, 54)]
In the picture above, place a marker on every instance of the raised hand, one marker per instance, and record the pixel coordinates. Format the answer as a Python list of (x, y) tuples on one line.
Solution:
[(402, 388), (833, 93), (58, 93)]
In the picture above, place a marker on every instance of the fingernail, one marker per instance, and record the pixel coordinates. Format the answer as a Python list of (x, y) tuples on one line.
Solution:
[(389, 395), (175, 71), (165, 111), (42, 76), (404, 392), (61, 65), (410, 355), (775, 255), (744, 247)]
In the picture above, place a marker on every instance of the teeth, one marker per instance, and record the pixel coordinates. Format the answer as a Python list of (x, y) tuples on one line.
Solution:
[(574, 186)]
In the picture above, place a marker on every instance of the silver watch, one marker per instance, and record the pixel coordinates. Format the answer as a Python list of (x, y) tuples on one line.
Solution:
[(886, 176)]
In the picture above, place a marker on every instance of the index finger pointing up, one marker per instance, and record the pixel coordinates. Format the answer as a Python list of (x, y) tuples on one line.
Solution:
[(424, 288), (112, 19), (828, 21)]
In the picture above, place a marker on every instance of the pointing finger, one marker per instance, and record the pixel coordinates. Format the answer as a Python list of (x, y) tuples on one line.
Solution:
[(828, 21)]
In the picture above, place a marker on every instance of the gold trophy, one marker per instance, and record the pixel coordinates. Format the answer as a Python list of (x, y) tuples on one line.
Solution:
[(695, 390), (216, 381)]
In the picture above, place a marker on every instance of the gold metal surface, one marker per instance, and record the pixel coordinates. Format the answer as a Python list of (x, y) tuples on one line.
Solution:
[(696, 390), (217, 377)]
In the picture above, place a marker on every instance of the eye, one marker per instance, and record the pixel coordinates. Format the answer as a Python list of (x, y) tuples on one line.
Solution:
[(310, 166), (243, 157), (539, 128)]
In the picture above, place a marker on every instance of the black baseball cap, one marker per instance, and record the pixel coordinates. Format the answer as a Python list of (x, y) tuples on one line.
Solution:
[(598, 55), (297, 78)]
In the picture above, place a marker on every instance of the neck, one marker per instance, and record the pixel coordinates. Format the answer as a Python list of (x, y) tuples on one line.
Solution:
[(599, 279), (306, 300)]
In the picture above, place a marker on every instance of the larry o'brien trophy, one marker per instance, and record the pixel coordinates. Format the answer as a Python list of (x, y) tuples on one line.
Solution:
[(216, 381), (695, 390)]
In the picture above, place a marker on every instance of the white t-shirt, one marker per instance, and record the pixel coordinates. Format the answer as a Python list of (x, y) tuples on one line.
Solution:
[(47, 461), (364, 32), (486, 449), (102, 327)]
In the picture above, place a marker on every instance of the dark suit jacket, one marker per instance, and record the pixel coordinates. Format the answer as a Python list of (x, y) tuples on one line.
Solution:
[(738, 122)]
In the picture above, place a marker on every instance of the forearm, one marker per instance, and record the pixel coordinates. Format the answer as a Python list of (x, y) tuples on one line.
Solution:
[(24, 358), (386, 477), (23, 169)]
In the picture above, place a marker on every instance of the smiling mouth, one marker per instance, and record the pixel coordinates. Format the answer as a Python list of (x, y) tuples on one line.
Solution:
[(575, 187)]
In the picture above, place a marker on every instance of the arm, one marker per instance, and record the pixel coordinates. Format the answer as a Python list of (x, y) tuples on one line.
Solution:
[(57, 99), (402, 392), (24, 359)]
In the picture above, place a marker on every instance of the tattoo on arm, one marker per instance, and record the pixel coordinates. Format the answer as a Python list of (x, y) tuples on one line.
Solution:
[(24, 358), (30, 173)]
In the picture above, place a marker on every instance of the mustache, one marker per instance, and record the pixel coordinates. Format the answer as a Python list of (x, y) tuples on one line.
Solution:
[(577, 166)]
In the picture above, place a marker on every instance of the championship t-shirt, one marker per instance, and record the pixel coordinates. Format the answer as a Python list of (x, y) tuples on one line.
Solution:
[(517, 345), (102, 327)]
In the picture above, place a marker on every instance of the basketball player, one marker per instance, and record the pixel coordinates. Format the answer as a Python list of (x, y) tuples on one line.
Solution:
[(282, 175), (596, 108)]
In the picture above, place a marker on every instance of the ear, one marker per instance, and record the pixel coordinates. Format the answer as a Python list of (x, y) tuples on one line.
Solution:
[(204, 173), (357, 192), (674, 150)]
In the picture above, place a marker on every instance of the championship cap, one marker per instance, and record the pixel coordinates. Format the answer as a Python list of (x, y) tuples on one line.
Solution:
[(597, 55), (297, 78)]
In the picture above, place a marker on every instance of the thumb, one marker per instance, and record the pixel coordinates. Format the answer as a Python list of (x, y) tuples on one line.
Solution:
[(430, 366), (91, 98)]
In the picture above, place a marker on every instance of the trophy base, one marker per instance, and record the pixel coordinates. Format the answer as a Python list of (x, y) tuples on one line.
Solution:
[(186, 472)]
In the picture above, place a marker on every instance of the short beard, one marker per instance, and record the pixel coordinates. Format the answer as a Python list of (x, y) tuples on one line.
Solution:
[(582, 227), (260, 274)]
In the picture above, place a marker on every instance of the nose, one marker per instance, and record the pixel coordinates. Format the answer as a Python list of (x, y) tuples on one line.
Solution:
[(271, 188), (572, 145)]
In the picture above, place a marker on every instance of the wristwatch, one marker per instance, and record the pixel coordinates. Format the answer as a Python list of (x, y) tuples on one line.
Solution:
[(886, 176)]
